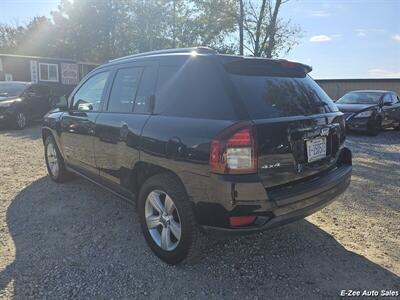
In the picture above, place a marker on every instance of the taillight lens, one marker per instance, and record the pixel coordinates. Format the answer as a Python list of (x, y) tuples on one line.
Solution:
[(233, 151)]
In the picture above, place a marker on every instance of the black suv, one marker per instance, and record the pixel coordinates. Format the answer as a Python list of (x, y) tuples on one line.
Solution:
[(202, 142), (21, 102)]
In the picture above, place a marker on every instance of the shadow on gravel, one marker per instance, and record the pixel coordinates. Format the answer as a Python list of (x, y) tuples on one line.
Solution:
[(77, 241), (33, 132), (385, 137)]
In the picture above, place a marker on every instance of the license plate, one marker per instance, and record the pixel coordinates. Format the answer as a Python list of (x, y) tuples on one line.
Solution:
[(316, 149)]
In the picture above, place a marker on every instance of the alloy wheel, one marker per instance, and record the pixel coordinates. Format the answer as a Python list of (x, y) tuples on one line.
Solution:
[(21, 120), (52, 159), (162, 220)]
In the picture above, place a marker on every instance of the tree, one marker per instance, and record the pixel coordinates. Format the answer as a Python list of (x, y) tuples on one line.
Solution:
[(104, 29), (266, 34), (10, 37)]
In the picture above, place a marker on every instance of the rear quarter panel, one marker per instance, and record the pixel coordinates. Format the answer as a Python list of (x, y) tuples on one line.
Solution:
[(182, 145)]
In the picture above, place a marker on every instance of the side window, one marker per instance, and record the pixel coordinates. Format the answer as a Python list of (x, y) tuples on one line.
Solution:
[(146, 90), (395, 98), (124, 90), (194, 90), (387, 98), (89, 95)]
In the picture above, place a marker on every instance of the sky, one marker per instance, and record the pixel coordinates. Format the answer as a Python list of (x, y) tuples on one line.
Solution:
[(340, 38)]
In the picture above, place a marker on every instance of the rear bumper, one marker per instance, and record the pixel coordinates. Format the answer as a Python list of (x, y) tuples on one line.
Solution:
[(290, 203)]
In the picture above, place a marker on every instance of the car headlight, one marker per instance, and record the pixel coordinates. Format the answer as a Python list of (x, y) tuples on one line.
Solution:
[(364, 114), (8, 103)]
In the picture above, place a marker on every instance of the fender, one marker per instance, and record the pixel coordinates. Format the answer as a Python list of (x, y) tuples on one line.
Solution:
[(51, 123)]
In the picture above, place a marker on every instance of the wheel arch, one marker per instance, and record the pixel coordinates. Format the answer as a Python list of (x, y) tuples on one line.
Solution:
[(46, 132), (144, 170)]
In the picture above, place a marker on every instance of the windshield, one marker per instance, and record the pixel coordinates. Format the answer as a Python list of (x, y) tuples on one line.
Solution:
[(360, 98), (8, 89)]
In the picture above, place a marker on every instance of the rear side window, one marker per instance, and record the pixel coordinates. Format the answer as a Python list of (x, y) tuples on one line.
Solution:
[(273, 97), (194, 90), (124, 90), (146, 90)]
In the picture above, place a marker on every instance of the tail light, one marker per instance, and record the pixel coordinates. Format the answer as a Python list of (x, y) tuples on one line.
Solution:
[(233, 151)]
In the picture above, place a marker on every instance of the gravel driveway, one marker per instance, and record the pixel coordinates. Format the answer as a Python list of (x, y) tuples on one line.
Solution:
[(76, 240)]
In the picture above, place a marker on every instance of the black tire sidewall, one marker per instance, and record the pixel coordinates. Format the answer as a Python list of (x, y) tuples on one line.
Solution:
[(175, 190)]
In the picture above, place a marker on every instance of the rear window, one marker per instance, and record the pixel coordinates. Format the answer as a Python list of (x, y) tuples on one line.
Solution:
[(275, 92), (194, 89)]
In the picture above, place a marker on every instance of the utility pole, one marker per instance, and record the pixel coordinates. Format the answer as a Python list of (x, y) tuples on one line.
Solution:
[(241, 16)]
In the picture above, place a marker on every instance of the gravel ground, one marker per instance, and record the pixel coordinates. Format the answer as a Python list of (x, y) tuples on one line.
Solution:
[(76, 240)]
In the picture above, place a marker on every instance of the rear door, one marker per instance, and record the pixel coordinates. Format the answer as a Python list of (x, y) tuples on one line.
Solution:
[(78, 125), (299, 128), (119, 126)]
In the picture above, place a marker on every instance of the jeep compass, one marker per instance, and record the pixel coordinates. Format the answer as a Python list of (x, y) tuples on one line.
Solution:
[(202, 143)]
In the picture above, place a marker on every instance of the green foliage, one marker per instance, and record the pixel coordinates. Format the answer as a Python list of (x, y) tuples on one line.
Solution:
[(104, 29)]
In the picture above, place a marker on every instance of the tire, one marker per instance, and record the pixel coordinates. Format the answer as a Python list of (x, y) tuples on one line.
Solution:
[(375, 127), (54, 161), (163, 237), (20, 120)]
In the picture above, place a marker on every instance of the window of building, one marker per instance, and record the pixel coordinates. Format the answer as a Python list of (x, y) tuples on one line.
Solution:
[(48, 72)]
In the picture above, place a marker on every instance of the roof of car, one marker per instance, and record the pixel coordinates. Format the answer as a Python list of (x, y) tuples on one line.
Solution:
[(194, 51), (187, 51)]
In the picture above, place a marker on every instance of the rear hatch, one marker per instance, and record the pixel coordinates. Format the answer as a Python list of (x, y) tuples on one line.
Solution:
[(299, 128)]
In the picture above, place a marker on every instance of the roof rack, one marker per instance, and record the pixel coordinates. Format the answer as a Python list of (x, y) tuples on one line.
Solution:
[(200, 50)]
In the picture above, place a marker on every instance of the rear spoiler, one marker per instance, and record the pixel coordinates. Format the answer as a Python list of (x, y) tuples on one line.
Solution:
[(267, 67), (292, 64)]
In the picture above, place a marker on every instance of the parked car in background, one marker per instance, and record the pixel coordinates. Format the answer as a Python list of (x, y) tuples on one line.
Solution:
[(21, 102), (202, 142), (370, 110)]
